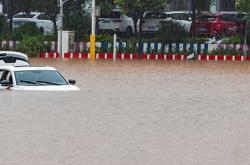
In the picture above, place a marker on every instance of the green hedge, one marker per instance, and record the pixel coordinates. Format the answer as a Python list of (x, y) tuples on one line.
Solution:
[(32, 46)]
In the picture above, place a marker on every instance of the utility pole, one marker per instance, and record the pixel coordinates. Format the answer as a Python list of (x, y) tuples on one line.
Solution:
[(218, 5), (193, 8), (60, 5), (92, 36)]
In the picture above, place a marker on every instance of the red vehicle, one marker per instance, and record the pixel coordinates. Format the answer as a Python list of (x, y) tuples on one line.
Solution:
[(219, 24)]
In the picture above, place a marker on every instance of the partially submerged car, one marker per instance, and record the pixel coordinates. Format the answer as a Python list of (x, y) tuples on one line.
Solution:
[(16, 73), (32, 78)]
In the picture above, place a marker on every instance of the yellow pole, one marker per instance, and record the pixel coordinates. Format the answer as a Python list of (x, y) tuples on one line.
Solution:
[(92, 36), (92, 46)]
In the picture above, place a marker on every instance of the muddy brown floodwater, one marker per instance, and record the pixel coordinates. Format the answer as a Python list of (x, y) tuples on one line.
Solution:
[(132, 113)]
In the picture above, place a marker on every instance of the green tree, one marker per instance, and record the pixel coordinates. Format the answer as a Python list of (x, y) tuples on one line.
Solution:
[(244, 6), (106, 6), (79, 22)]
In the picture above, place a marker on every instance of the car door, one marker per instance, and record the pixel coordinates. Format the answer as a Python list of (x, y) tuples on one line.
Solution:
[(228, 24), (45, 23)]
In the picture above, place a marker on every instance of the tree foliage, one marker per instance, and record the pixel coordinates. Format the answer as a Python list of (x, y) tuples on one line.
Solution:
[(243, 5), (106, 6)]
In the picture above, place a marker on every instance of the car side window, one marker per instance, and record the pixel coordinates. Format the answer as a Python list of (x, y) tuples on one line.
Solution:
[(183, 16), (1, 75), (115, 15), (175, 16), (228, 17), (164, 16), (43, 17), (9, 77), (147, 15), (6, 75)]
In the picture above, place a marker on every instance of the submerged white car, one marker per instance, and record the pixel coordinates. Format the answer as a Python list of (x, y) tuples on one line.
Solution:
[(32, 78), (17, 74)]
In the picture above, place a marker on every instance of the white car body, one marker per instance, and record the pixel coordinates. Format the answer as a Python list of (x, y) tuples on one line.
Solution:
[(181, 17), (151, 22), (44, 24), (12, 70), (117, 22)]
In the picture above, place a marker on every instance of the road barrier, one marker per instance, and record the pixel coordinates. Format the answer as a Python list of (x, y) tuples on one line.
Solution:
[(133, 56), (141, 47)]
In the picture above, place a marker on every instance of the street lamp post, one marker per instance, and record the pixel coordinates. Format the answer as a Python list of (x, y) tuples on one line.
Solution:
[(60, 5), (92, 36)]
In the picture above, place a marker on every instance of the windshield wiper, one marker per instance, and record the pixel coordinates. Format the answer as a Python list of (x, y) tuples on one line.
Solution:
[(28, 82), (46, 82)]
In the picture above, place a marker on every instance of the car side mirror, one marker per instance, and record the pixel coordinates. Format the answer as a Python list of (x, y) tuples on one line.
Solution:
[(72, 82), (6, 83)]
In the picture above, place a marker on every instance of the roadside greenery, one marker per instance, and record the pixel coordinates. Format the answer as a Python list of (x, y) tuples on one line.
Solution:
[(244, 6), (3, 24), (32, 45), (226, 51), (233, 40)]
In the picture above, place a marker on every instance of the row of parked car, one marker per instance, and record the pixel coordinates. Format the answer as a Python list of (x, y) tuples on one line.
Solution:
[(208, 24), (219, 24)]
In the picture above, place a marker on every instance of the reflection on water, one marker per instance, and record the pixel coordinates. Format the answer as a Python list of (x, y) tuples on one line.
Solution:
[(131, 113)]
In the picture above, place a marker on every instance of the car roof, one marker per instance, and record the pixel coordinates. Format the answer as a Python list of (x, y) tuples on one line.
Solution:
[(25, 68), (15, 54), (174, 12), (229, 12), (116, 10), (33, 13)]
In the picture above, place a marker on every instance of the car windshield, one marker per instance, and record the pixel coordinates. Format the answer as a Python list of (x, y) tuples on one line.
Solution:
[(113, 14), (154, 16), (207, 18), (26, 15), (39, 77)]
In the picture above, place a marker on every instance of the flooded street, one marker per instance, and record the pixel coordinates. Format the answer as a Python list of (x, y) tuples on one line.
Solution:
[(132, 113)]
